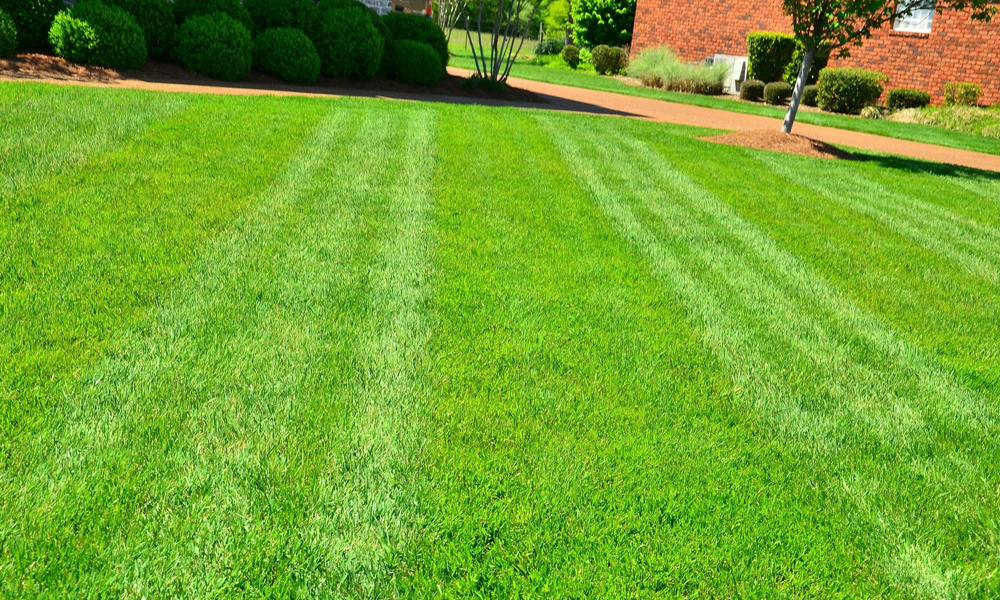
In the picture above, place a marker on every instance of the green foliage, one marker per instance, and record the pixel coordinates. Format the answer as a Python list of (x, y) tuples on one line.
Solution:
[(413, 62), (556, 16), (607, 22), (73, 39), (752, 90), (849, 90), (810, 95), (961, 93), (571, 54), (273, 14), (661, 68), (549, 47), (155, 18), (777, 92), (819, 63), (417, 28), (348, 43), (120, 42), (216, 45), (32, 20), (288, 53), (8, 35), (608, 60), (903, 98), (971, 120), (769, 54), (185, 9)]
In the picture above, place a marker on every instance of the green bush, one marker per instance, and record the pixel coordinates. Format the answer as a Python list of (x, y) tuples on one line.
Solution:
[(417, 28), (120, 43), (752, 90), (216, 45), (777, 92), (185, 9), (661, 68), (155, 18), (849, 90), (288, 53), (608, 60), (810, 95), (903, 98), (413, 62), (571, 54), (8, 35), (768, 55), (348, 44), (960, 93), (548, 47), (276, 14), (32, 20), (72, 38), (819, 63), (607, 22)]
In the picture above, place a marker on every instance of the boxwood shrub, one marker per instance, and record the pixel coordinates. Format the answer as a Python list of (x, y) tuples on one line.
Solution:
[(288, 53), (902, 98), (571, 54), (752, 90), (608, 60), (348, 43), (216, 45), (769, 54), (809, 94), (72, 38), (413, 62), (418, 29), (155, 18), (120, 43), (185, 9), (32, 19), (777, 92), (8, 35), (849, 90), (271, 14), (961, 93)]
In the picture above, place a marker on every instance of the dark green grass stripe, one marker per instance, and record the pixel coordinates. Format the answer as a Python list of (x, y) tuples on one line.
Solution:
[(723, 281)]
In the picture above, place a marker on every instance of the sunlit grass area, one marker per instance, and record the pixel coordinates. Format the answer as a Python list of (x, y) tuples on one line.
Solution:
[(290, 347)]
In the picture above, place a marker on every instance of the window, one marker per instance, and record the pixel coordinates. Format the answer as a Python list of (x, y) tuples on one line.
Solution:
[(919, 19)]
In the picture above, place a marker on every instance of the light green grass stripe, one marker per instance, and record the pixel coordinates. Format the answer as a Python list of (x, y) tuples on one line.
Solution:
[(244, 428), (695, 218)]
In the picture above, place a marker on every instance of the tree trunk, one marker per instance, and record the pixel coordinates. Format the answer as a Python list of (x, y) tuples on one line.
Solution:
[(800, 85)]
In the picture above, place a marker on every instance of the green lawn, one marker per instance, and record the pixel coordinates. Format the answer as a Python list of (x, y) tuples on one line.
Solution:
[(904, 131), (288, 347)]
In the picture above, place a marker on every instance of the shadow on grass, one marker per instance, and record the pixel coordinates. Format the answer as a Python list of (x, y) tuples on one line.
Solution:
[(913, 165)]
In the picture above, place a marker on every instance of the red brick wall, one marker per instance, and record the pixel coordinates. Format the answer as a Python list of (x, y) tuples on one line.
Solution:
[(957, 49)]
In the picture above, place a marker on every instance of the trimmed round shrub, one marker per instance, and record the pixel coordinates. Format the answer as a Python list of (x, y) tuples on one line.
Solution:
[(752, 90), (72, 38), (185, 9), (608, 60), (903, 98), (32, 20), (417, 28), (571, 54), (961, 93), (777, 92), (120, 42), (155, 18), (348, 44), (607, 22), (768, 55), (413, 62), (272, 14), (8, 35), (849, 90), (809, 95), (216, 45), (548, 47), (288, 53)]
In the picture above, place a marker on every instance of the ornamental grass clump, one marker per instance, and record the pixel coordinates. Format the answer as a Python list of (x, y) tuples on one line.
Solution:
[(660, 67)]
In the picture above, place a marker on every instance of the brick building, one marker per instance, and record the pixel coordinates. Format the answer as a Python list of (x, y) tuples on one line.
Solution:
[(923, 52)]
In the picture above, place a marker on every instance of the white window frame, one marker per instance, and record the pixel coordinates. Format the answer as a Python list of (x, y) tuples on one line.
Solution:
[(920, 20)]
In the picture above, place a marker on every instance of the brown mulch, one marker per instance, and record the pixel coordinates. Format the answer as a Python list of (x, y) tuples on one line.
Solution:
[(776, 141), (43, 67)]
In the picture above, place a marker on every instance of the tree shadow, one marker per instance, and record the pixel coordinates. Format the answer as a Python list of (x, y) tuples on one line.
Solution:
[(917, 166)]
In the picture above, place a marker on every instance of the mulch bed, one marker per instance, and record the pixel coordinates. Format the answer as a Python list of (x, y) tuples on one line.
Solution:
[(43, 67), (776, 141)]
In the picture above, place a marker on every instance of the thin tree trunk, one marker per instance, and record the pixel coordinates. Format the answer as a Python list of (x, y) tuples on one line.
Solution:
[(800, 85)]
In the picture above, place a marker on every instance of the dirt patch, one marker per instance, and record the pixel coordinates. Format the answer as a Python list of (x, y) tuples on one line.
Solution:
[(776, 141), (41, 67)]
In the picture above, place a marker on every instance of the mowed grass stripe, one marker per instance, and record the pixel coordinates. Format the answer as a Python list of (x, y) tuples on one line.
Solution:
[(700, 248), (203, 455)]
